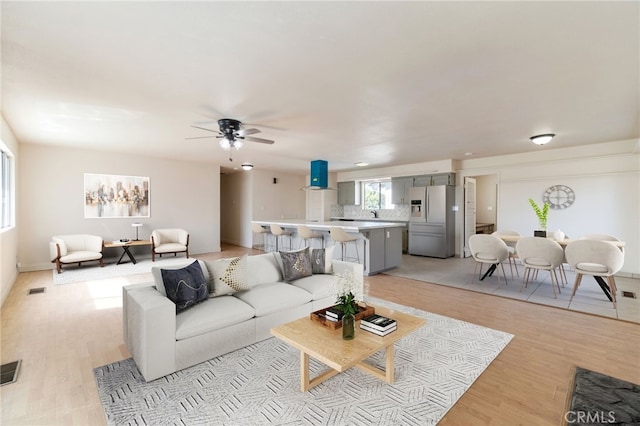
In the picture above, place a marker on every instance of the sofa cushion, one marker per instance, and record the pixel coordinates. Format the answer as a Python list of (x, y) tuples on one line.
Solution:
[(273, 297), (319, 286), (170, 248), (186, 286), (156, 272), (212, 314), (295, 264), (264, 269), (80, 256), (321, 260), (229, 275)]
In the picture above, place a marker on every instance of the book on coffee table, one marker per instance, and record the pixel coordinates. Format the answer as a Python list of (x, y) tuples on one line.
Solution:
[(378, 332), (378, 322), (333, 314)]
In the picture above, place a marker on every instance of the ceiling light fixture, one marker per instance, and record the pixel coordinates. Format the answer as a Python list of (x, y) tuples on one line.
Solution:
[(227, 144), (542, 139), (246, 166), (361, 164)]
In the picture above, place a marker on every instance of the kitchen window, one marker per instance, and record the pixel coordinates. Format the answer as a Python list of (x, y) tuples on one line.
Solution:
[(376, 195)]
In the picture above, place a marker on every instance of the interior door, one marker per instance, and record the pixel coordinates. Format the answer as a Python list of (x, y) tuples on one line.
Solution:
[(469, 212)]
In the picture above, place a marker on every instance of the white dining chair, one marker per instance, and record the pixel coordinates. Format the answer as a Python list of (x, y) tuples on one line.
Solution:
[(491, 250), (511, 246), (596, 258), (536, 254)]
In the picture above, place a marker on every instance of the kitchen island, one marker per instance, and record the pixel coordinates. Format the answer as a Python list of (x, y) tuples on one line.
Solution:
[(379, 243)]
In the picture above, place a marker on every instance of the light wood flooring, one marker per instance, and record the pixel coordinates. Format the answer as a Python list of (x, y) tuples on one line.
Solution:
[(63, 334)]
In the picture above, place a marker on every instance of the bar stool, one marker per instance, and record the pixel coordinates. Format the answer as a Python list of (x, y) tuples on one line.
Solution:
[(279, 232), (340, 236), (307, 234), (259, 229)]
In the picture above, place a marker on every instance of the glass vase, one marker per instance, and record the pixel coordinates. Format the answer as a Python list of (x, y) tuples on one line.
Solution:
[(348, 326)]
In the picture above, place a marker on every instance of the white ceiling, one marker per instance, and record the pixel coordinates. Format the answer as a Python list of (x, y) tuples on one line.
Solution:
[(387, 83)]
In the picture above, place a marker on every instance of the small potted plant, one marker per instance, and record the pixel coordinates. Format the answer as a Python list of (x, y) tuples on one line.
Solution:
[(349, 292), (543, 216)]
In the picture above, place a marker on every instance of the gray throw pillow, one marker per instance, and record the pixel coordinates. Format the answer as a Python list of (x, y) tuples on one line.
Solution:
[(321, 260), (295, 264), (186, 286)]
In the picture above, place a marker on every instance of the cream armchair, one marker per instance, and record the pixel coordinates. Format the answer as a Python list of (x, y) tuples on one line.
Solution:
[(165, 241), (76, 248)]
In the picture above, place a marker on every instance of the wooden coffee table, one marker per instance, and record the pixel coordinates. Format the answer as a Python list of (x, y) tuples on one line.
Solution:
[(327, 346)]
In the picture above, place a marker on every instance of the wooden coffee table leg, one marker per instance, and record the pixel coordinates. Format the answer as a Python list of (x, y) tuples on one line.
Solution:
[(386, 375), (389, 363), (305, 382)]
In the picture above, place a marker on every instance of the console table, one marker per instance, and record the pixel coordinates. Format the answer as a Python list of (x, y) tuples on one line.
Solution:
[(125, 247)]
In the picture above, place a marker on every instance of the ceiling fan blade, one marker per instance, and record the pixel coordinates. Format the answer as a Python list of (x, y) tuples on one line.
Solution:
[(260, 140), (247, 132), (204, 128), (202, 137)]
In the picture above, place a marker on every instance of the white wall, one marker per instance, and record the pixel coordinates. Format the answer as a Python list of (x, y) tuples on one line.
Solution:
[(247, 196), (51, 180), (284, 199), (9, 236)]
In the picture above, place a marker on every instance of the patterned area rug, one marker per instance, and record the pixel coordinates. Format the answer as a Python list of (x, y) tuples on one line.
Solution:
[(92, 271), (260, 384)]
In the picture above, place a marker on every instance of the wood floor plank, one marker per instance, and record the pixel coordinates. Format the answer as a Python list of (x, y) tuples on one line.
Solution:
[(63, 334)]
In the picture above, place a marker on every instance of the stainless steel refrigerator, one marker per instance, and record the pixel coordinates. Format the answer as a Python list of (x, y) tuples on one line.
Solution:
[(432, 233)]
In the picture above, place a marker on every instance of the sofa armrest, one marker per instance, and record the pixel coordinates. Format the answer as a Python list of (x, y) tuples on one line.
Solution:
[(356, 269), (150, 321), (54, 251)]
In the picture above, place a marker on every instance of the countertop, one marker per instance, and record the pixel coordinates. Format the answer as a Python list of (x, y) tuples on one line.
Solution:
[(353, 226), (371, 219)]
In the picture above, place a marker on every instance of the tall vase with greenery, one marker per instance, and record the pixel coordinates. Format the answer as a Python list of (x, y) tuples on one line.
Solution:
[(349, 291), (542, 214)]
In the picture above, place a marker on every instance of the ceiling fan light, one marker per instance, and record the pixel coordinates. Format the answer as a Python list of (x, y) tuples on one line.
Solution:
[(225, 144), (542, 139), (246, 166), (237, 144)]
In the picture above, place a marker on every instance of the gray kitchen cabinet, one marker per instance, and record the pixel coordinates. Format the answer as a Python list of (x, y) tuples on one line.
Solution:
[(435, 180), (443, 179), (422, 180), (385, 249), (400, 189), (347, 193)]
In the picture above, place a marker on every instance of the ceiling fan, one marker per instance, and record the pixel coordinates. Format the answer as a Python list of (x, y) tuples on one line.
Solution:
[(232, 135)]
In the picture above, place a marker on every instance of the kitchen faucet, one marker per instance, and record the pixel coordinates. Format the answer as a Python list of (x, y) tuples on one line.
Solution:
[(375, 213)]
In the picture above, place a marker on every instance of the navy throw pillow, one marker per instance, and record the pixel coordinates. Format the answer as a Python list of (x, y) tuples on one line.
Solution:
[(185, 287)]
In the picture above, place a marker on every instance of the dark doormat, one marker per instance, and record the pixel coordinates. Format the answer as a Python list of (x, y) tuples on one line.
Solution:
[(598, 399)]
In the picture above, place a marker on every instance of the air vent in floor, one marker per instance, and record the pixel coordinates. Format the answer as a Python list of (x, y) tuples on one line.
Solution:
[(630, 294), (37, 290), (9, 372)]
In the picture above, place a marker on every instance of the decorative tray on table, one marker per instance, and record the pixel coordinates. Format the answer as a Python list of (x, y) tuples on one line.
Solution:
[(321, 317)]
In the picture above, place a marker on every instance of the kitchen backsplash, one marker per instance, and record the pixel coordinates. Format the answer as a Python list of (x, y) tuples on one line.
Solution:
[(400, 213)]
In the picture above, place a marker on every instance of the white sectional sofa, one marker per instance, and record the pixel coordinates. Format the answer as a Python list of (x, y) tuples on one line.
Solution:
[(162, 342)]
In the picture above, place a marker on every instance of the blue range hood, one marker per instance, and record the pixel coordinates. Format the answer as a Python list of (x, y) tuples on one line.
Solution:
[(319, 176)]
